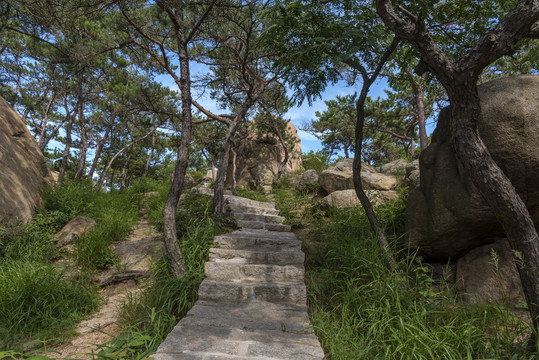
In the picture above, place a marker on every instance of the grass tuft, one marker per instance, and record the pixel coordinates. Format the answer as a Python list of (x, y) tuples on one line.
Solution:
[(37, 301)]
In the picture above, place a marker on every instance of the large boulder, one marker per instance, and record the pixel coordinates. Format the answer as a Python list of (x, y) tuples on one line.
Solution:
[(446, 215), (258, 159), (23, 169), (309, 180), (340, 177), (347, 198), (394, 167)]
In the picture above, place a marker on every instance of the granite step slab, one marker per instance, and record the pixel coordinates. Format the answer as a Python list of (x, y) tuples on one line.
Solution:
[(294, 293), (284, 257), (251, 273)]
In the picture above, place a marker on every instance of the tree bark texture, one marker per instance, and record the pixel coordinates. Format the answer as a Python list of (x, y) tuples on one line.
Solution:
[(219, 184), (83, 139), (174, 254), (495, 188)]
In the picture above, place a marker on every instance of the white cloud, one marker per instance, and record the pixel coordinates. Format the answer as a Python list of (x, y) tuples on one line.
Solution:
[(305, 136)]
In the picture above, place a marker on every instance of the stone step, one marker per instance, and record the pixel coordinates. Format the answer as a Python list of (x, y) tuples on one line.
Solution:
[(249, 273), (260, 242), (272, 219), (242, 209), (289, 257), (259, 225), (240, 201), (253, 316), (278, 227), (209, 340), (294, 293)]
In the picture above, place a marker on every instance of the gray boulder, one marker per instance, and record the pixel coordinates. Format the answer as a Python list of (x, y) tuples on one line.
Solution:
[(75, 227), (446, 215), (393, 168), (259, 156), (340, 177), (23, 169), (309, 179), (489, 274), (412, 177), (348, 198)]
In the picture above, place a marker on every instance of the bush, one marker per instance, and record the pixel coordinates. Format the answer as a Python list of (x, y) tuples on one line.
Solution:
[(318, 160)]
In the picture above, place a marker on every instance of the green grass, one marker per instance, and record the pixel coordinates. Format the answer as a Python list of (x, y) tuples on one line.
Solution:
[(361, 309), (36, 301), (256, 194), (150, 317)]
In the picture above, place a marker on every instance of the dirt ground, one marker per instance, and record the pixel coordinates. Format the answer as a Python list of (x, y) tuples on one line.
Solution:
[(136, 254)]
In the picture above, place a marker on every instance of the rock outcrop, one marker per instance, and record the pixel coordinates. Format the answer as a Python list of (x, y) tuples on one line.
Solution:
[(258, 159), (23, 169), (446, 215)]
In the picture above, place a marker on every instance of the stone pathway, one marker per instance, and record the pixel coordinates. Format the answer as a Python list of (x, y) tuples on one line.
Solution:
[(252, 304)]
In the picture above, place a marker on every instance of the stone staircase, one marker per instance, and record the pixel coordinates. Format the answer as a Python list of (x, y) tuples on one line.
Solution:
[(252, 304)]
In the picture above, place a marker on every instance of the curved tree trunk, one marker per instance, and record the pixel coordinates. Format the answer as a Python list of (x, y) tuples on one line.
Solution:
[(283, 163), (233, 172), (358, 186), (495, 188), (100, 146), (150, 155)]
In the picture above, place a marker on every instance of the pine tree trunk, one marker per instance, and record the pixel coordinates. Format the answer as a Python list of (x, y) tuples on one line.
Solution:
[(495, 188), (219, 184), (100, 146), (83, 137), (233, 172), (358, 185), (174, 254), (150, 155)]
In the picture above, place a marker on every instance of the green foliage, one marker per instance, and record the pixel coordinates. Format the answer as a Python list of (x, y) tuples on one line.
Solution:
[(71, 198), (295, 206), (33, 241), (361, 309), (316, 160), (114, 213), (336, 125), (255, 194), (36, 301)]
